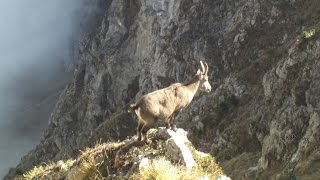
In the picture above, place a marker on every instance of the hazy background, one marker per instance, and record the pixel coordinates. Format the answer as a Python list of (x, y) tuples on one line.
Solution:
[(38, 51)]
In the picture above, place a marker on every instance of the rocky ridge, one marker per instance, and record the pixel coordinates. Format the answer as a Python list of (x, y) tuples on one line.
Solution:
[(166, 151)]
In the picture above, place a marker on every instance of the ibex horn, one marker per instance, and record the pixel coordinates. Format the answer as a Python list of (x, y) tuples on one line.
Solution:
[(202, 67), (207, 67)]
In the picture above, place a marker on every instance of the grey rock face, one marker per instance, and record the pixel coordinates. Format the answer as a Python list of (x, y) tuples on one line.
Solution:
[(292, 128), (265, 75)]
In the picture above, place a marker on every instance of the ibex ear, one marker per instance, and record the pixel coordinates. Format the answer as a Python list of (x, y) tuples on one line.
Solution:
[(199, 72)]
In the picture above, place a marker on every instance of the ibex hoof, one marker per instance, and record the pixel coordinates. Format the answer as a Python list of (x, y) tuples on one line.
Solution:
[(173, 128), (168, 126), (144, 138), (138, 138)]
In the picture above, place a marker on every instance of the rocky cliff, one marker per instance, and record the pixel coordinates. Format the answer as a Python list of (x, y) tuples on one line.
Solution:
[(261, 120)]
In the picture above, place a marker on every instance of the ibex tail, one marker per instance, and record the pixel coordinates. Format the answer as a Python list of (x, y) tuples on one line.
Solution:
[(132, 107)]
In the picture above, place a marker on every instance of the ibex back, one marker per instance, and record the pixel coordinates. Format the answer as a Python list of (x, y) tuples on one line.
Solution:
[(166, 103)]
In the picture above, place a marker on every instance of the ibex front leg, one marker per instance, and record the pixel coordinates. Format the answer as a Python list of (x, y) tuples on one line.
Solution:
[(171, 121), (172, 124)]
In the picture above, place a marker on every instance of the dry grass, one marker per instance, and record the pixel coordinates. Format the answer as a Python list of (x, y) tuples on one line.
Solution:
[(309, 168), (86, 166), (162, 169), (50, 170), (93, 163), (34, 172), (238, 166), (99, 163), (158, 169)]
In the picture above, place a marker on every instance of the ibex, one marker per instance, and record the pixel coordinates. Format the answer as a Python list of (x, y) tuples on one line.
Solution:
[(166, 103)]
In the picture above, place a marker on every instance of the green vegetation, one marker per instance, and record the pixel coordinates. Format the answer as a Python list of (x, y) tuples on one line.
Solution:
[(311, 32), (207, 165), (308, 34)]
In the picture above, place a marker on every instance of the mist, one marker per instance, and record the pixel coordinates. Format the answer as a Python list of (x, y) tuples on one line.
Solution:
[(37, 56)]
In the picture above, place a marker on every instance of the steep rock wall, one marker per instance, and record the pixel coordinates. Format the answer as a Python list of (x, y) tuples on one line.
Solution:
[(265, 77)]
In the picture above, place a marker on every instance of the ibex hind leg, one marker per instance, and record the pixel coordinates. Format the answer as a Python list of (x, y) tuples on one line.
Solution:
[(140, 125), (144, 131), (146, 121)]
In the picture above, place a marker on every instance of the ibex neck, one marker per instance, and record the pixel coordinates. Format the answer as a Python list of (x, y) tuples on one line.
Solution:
[(193, 85)]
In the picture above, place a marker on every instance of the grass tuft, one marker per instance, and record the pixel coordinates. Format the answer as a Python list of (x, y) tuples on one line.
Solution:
[(52, 169), (34, 172), (162, 169)]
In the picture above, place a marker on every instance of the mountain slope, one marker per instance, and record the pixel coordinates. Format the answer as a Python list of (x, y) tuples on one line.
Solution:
[(263, 62)]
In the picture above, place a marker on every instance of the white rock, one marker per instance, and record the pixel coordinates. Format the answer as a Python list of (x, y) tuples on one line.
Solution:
[(177, 148), (223, 178), (144, 163)]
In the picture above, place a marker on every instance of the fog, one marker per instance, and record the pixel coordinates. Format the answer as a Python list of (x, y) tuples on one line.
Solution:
[(36, 37)]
